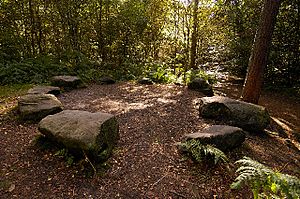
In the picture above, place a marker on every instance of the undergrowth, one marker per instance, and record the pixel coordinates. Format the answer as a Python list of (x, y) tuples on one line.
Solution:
[(77, 160), (13, 90), (264, 182), (203, 152), (163, 73)]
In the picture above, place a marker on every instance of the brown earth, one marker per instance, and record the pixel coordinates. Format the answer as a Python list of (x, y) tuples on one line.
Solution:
[(145, 163)]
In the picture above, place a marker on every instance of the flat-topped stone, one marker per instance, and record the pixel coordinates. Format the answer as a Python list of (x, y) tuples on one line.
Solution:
[(222, 136), (44, 90), (250, 117), (37, 106), (67, 82), (201, 85), (107, 80), (94, 133), (146, 81)]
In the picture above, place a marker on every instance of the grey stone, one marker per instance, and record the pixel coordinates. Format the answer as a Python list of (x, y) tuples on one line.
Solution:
[(222, 136), (37, 106), (201, 85), (44, 90), (67, 82), (94, 133), (146, 81), (106, 80), (250, 117)]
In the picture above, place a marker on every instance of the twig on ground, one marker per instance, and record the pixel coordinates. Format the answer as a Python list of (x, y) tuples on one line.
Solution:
[(178, 194), (280, 170), (87, 159), (155, 183)]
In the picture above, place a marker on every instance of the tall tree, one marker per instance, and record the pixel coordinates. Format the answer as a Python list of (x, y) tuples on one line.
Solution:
[(259, 55), (194, 35)]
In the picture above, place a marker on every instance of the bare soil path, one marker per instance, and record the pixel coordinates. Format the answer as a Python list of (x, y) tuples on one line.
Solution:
[(145, 163)]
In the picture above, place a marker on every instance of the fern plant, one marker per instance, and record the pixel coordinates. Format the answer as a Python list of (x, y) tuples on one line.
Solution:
[(202, 152), (264, 182)]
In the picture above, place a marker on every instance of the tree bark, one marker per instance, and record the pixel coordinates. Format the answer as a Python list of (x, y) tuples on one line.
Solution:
[(259, 55), (194, 35)]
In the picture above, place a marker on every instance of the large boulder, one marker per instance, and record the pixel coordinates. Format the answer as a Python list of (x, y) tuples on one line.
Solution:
[(44, 90), (94, 133), (201, 85), (37, 106), (222, 136), (250, 117), (67, 82)]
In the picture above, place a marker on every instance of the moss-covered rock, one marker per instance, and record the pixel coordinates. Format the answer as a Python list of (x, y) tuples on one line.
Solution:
[(67, 82), (201, 85), (250, 117), (37, 106), (106, 80), (221, 136), (44, 90), (94, 133)]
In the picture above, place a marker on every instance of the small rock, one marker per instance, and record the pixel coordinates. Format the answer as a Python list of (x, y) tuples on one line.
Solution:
[(222, 136), (44, 90), (146, 81), (106, 80), (37, 106), (201, 85), (67, 82)]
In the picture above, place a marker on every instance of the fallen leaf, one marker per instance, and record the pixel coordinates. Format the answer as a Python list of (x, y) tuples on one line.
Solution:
[(12, 187)]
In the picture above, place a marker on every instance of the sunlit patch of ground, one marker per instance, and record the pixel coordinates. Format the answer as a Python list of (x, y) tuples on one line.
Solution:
[(145, 163)]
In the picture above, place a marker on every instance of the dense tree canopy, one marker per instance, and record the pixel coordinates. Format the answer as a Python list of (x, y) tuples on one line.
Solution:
[(128, 38)]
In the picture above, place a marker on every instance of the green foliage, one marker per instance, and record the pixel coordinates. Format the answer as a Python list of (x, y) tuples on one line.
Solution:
[(160, 73), (31, 70), (283, 69), (163, 73), (242, 22), (264, 182), (45, 38), (192, 74), (78, 160), (64, 153), (202, 152), (13, 90)]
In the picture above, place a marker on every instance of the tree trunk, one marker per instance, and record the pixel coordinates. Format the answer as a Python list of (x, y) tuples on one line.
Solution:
[(194, 35), (259, 55)]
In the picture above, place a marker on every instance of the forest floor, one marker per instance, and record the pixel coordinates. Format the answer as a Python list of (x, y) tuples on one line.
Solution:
[(145, 163)]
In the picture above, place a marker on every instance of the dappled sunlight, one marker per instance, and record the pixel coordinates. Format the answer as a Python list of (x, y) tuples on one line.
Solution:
[(282, 124), (151, 91), (285, 124), (119, 106), (166, 101), (135, 97), (291, 116), (156, 148)]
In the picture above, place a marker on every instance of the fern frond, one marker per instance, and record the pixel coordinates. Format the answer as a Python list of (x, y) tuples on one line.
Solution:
[(201, 151), (263, 179), (216, 153)]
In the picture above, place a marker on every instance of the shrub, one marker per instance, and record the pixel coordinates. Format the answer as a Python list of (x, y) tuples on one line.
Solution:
[(264, 182), (201, 152)]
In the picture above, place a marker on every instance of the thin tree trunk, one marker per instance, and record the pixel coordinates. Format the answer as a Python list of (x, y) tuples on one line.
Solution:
[(194, 35), (259, 55), (32, 27), (100, 34)]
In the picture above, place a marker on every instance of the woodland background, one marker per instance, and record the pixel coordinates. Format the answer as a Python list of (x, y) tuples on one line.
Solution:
[(128, 39)]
